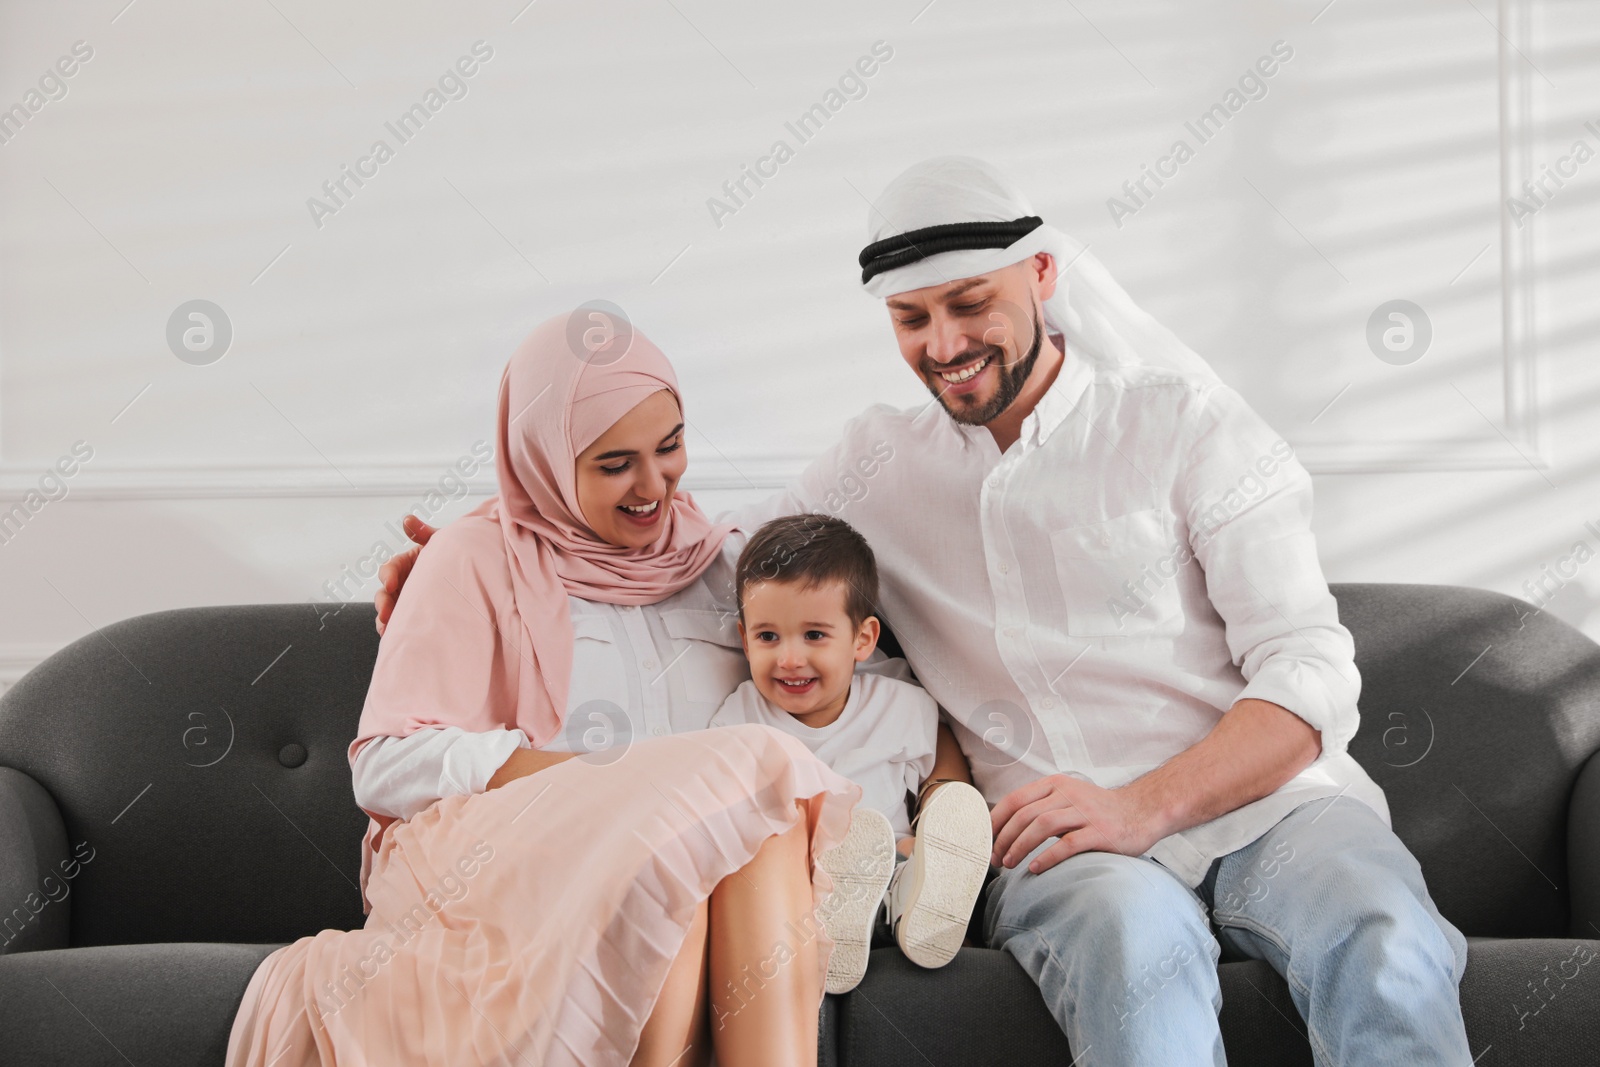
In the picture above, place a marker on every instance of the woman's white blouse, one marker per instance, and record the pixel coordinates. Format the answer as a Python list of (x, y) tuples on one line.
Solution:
[(637, 672)]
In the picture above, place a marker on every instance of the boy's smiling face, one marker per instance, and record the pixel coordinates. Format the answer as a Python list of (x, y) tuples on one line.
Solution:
[(802, 646)]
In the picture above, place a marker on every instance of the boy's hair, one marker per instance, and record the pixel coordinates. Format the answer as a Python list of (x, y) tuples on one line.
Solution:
[(812, 549)]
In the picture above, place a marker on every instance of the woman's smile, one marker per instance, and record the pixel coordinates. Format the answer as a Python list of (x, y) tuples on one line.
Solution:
[(642, 514)]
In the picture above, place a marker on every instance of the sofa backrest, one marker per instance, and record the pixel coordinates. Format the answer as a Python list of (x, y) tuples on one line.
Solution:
[(201, 754), (1476, 716)]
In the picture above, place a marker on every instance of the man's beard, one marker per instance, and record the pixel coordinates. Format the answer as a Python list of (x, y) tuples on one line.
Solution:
[(1012, 379)]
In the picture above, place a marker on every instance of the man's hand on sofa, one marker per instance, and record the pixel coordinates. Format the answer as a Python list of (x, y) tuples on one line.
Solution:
[(1085, 816), (392, 575)]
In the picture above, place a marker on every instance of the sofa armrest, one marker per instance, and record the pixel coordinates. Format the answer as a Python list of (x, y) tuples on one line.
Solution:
[(1583, 852), (34, 862)]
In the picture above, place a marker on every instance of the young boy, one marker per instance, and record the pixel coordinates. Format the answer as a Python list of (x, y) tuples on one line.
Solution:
[(806, 586)]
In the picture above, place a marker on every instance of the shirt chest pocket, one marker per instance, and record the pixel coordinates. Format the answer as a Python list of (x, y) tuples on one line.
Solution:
[(710, 658), (596, 663), (1119, 576)]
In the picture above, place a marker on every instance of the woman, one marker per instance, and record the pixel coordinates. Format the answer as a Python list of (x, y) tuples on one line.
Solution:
[(641, 905)]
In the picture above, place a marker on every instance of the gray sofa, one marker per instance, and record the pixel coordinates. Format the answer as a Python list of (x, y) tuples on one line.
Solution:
[(175, 802)]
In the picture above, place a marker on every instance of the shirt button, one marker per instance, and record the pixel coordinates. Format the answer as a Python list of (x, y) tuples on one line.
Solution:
[(1105, 540), (1004, 568), (1049, 702), (1012, 631), (649, 664), (994, 481), (659, 732)]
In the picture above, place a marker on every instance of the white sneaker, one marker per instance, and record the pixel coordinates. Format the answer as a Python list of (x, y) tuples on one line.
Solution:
[(933, 893), (860, 865)]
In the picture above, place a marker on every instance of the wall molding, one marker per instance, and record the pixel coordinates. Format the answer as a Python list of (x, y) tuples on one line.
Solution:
[(753, 473), (215, 481), (1521, 441), (1518, 254), (200, 481)]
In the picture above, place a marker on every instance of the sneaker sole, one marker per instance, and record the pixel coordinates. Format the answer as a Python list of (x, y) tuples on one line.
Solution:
[(950, 863), (860, 865)]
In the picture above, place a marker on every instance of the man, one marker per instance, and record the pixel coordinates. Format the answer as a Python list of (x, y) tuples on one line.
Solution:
[(1099, 561)]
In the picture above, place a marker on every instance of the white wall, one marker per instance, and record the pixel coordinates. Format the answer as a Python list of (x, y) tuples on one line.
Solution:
[(367, 344)]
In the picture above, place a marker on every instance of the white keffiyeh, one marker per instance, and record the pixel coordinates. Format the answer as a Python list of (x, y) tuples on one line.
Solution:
[(1089, 309)]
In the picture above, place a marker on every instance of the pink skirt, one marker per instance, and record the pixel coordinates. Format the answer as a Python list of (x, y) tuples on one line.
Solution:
[(535, 923)]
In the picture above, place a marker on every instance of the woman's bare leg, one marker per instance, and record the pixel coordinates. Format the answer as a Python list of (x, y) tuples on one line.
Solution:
[(764, 960), (676, 1033)]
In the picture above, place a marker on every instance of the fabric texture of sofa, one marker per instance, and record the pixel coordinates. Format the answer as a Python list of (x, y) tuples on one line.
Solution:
[(175, 803)]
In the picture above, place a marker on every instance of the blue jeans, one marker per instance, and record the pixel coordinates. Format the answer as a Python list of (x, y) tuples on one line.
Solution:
[(1125, 954)]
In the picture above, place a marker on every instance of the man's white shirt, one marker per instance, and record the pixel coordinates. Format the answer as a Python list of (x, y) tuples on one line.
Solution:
[(1095, 599), (884, 740)]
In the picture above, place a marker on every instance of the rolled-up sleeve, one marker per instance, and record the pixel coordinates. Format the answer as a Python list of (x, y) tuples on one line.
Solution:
[(1247, 503), (399, 776)]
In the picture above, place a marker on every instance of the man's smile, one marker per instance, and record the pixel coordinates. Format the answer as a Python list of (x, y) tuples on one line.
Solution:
[(956, 377)]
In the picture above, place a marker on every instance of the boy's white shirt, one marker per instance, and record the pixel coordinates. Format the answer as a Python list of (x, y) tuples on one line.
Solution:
[(884, 740)]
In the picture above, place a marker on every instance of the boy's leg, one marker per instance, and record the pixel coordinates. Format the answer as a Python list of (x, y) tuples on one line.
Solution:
[(1336, 903), (860, 866), (1121, 951), (932, 896)]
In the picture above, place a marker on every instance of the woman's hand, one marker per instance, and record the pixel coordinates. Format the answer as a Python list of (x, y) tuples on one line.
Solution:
[(392, 575), (526, 761)]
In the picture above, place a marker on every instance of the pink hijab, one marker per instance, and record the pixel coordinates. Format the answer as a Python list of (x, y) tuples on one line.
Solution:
[(482, 636)]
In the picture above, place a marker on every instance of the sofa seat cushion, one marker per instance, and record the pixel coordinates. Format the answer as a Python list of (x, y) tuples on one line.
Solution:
[(1530, 1001), (170, 1004)]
